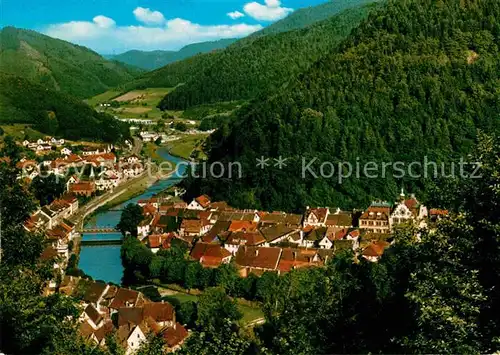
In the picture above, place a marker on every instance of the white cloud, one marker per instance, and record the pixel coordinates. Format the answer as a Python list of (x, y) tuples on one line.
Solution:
[(235, 15), (104, 36), (145, 15), (270, 11), (103, 21)]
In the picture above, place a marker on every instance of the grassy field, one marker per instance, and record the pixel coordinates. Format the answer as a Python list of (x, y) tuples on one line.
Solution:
[(249, 313), (104, 97), (19, 131), (187, 144), (133, 104)]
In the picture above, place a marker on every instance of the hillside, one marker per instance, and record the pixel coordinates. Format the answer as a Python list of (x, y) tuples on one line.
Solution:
[(180, 72), (58, 64), (157, 59), (55, 113), (415, 80), (265, 64), (307, 16)]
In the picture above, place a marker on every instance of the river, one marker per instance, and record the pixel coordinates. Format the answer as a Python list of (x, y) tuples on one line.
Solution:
[(103, 262)]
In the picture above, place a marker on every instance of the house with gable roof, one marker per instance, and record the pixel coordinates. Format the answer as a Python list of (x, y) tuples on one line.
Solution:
[(316, 217), (200, 203)]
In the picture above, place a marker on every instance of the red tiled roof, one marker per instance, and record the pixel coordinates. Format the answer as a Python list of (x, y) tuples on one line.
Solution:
[(292, 258), (159, 311), (124, 296), (373, 213), (83, 186), (175, 335), (209, 250), (375, 249), (411, 203), (354, 233), (320, 213), (258, 257), (149, 209), (245, 238), (438, 212), (247, 226), (191, 225), (203, 200)]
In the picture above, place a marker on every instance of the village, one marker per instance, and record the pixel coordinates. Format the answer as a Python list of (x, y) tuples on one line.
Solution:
[(258, 241), (253, 241)]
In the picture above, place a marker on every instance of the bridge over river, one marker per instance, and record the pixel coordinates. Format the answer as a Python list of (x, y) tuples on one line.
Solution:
[(102, 238)]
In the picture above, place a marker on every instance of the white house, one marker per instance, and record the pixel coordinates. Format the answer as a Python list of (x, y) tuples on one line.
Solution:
[(316, 217), (134, 340), (199, 203), (66, 151)]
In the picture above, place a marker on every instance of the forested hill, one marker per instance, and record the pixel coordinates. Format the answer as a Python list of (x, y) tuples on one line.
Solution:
[(182, 71), (418, 78), (157, 59), (307, 16), (58, 64), (264, 64), (55, 113)]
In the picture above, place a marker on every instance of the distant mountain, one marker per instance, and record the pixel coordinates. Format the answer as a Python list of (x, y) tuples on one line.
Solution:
[(156, 59), (263, 65), (58, 64), (414, 82), (55, 113)]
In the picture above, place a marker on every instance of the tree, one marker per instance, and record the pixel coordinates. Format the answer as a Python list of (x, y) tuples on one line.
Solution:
[(226, 276), (48, 188), (214, 308), (130, 219), (136, 260), (154, 345), (193, 270), (186, 313), (180, 126), (228, 340)]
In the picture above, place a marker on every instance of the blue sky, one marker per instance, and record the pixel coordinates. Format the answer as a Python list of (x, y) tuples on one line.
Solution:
[(114, 26)]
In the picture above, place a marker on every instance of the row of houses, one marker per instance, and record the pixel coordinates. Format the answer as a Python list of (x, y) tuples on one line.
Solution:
[(127, 313), (45, 144), (59, 232), (106, 171), (226, 234)]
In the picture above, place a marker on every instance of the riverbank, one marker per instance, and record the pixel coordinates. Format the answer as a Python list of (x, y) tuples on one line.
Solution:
[(185, 146), (103, 262)]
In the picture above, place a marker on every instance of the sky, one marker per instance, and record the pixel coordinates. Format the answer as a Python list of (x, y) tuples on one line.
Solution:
[(115, 26)]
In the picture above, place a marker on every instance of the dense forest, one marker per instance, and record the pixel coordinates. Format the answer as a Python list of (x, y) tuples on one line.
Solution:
[(244, 71), (304, 17), (59, 65), (55, 113), (172, 74), (417, 79), (157, 59)]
